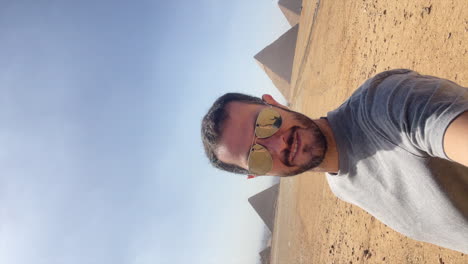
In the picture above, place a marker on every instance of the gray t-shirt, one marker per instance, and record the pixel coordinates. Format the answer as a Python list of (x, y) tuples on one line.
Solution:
[(392, 163)]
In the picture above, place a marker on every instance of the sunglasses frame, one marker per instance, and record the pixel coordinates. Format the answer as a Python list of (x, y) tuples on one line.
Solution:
[(256, 148)]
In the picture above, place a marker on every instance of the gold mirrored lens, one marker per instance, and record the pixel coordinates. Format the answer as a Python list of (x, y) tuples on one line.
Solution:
[(260, 161), (268, 122)]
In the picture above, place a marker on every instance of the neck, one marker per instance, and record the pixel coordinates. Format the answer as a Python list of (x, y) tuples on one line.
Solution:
[(330, 162)]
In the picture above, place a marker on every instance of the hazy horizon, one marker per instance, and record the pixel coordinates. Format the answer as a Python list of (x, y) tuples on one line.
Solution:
[(101, 105)]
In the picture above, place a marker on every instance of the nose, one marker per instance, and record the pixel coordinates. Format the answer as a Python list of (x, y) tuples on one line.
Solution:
[(275, 144)]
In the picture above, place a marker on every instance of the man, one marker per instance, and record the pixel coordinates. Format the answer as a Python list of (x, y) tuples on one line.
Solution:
[(398, 148)]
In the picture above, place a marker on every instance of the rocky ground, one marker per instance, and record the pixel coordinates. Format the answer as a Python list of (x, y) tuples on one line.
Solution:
[(340, 45)]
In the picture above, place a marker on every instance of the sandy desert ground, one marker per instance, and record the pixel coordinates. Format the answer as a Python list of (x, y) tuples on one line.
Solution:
[(340, 45)]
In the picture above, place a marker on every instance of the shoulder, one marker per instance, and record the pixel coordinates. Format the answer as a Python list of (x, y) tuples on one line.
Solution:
[(398, 73), (373, 85), (388, 79)]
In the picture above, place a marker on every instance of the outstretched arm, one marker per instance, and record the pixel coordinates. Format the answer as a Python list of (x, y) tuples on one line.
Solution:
[(425, 115), (456, 139)]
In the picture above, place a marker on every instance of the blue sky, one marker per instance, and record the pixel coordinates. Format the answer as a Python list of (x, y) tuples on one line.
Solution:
[(100, 109)]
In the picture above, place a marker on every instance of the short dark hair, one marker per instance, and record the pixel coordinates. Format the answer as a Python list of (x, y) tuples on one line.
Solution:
[(212, 124)]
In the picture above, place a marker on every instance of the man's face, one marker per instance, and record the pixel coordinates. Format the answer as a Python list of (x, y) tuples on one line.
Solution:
[(298, 146)]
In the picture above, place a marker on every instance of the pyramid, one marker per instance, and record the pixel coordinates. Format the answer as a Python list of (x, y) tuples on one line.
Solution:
[(265, 256), (291, 10), (277, 60), (264, 204)]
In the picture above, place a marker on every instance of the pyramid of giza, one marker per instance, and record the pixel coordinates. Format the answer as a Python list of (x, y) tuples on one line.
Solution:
[(277, 60), (265, 256), (291, 10), (264, 204)]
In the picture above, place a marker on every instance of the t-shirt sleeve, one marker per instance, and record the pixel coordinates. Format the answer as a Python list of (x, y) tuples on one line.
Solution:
[(413, 110)]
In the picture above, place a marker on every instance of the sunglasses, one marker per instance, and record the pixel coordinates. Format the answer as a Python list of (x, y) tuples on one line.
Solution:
[(267, 124)]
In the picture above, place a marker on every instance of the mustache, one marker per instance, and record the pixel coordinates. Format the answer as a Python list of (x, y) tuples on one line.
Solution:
[(320, 143), (289, 142)]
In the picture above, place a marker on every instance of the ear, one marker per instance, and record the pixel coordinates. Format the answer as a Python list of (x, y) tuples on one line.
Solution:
[(271, 101)]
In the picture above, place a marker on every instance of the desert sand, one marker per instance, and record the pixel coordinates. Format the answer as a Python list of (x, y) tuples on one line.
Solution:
[(341, 44)]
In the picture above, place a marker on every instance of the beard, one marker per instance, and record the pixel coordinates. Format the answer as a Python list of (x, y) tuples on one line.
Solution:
[(317, 149)]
